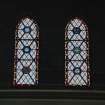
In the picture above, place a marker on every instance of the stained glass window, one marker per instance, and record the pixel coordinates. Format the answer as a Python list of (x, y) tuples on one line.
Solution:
[(77, 71), (26, 52)]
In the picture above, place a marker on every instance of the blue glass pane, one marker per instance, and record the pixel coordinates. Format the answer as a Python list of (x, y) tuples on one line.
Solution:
[(27, 29), (77, 71), (76, 30), (26, 49)]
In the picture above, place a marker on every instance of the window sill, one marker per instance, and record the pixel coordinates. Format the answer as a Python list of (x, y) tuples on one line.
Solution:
[(53, 94)]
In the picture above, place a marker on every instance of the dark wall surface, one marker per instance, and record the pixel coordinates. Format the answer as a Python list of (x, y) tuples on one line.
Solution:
[(52, 20)]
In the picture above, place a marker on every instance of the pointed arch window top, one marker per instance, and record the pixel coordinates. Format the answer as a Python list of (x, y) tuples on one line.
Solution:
[(77, 28), (25, 22), (27, 29)]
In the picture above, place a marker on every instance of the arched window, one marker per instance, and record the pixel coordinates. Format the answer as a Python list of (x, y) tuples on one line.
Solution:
[(26, 52), (77, 53)]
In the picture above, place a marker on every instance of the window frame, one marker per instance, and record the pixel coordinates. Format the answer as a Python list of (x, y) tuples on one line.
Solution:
[(19, 21), (88, 85)]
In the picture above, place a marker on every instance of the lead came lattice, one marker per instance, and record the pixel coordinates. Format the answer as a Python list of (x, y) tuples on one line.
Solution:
[(26, 53), (77, 54)]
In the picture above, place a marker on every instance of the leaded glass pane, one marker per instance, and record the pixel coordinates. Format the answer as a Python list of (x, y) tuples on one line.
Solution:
[(26, 53), (77, 53)]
